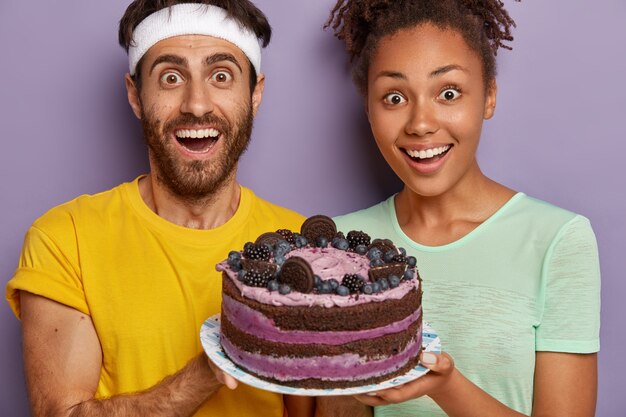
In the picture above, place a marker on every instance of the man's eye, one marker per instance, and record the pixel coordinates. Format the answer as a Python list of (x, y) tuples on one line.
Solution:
[(222, 76), (394, 98), (450, 94), (171, 78)]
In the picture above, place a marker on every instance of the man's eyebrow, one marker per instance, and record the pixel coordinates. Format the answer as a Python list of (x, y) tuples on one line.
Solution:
[(392, 74), (222, 56), (447, 68), (172, 59)]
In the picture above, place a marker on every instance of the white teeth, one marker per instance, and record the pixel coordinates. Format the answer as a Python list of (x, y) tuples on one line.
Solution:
[(197, 134), (427, 153)]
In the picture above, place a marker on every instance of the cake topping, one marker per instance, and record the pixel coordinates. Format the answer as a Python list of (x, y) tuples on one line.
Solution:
[(386, 271), (357, 238), (384, 245), (353, 282), (317, 226), (269, 238), (297, 274), (254, 251)]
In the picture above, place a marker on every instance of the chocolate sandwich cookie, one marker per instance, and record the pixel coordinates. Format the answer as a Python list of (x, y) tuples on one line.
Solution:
[(269, 238), (297, 273), (318, 226)]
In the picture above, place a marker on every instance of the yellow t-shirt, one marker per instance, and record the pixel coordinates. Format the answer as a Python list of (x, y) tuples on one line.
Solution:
[(147, 284)]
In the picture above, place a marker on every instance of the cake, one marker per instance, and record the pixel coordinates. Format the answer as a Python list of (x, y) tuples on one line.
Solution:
[(320, 309)]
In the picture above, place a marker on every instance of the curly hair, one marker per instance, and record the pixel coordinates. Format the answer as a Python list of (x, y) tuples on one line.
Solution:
[(484, 24), (243, 11)]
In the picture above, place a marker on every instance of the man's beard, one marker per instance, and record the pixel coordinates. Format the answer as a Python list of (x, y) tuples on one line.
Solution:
[(196, 180)]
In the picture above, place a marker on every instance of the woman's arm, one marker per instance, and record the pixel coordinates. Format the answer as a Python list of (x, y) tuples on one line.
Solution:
[(565, 385)]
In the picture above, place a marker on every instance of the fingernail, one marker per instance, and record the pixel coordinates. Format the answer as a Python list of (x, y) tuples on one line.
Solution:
[(371, 394), (429, 358)]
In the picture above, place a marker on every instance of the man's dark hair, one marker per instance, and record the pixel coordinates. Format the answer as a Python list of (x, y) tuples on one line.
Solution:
[(243, 11), (484, 24)]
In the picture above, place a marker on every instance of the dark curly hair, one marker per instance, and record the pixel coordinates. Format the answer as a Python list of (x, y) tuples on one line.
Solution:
[(243, 11), (361, 24)]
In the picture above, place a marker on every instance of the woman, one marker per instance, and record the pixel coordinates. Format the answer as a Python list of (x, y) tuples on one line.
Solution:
[(511, 284)]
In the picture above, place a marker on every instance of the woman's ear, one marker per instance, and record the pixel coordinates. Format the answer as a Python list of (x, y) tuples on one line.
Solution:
[(490, 100)]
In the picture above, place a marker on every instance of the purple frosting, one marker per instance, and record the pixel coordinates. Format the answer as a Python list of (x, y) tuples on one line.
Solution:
[(346, 366), (252, 322)]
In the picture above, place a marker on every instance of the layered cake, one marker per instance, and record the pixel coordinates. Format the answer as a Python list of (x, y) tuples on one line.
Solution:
[(320, 309)]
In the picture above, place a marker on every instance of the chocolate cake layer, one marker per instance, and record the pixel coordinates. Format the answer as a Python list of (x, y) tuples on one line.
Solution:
[(358, 317), (386, 345), (348, 369)]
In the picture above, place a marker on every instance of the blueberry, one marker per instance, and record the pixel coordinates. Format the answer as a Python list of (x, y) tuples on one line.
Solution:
[(374, 253), (279, 260), (402, 251), (273, 285), (282, 247), (284, 289), (325, 288), (376, 287), (235, 264), (301, 241), (361, 249), (409, 274), (384, 284), (341, 244), (343, 291), (333, 283), (389, 256), (368, 289), (376, 262), (321, 242), (317, 281), (241, 275), (234, 255), (411, 261), (394, 281)]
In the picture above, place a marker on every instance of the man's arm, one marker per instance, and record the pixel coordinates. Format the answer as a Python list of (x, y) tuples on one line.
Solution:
[(63, 358), (344, 406)]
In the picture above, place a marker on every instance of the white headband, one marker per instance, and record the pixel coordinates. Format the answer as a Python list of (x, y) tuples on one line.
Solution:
[(192, 19)]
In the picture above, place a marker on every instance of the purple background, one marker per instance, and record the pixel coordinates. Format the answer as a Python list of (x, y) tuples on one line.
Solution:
[(557, 135)]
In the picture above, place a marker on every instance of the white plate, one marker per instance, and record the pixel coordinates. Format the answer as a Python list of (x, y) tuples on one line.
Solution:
[(210, 337)]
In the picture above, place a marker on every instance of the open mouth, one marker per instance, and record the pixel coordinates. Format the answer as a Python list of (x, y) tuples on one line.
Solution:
[(197, 140), (427, 155)]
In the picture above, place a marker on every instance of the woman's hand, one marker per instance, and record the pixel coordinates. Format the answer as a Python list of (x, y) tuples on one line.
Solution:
[(435, 382)]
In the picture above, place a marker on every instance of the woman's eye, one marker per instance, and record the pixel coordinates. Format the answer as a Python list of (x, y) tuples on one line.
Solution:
[(222, 76), (394, 98), (171, 78), (450, 94)]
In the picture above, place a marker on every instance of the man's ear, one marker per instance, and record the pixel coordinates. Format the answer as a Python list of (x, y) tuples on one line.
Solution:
[(490, 100), (133, 95), (257, 94)]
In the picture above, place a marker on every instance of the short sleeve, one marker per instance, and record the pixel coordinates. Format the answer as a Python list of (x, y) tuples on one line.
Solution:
[(48, 267), (570, 320)]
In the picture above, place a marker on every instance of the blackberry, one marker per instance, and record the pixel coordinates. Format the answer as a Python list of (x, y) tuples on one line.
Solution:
[(257, 278), (353, 282), (356, 238), (258, 252), (399, 259), (287, 235)]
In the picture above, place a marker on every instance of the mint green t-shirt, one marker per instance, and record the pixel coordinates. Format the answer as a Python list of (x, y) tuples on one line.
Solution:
[(527, 279)]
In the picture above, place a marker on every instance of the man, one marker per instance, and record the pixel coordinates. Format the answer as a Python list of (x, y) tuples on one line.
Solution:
[(112, 289)]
